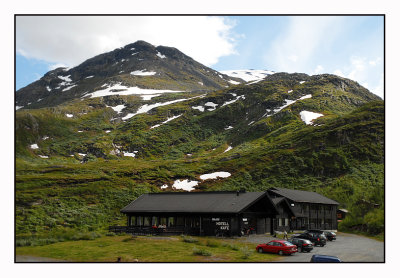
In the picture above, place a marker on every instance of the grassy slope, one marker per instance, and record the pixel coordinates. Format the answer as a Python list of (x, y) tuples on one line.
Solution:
[(342, 158), (149, 249)]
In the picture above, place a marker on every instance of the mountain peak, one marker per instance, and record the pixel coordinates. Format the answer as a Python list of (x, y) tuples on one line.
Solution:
[(136, 67)]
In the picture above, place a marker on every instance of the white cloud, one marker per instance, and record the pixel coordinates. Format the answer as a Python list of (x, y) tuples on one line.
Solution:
[(364, 71), (300, 40), (319, 69), (69, 40), (293, 58), (339, 73), (58, 65), (378, 90)]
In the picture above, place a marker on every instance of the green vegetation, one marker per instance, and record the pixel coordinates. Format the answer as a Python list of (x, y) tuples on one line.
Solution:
[(69, 196), (147, 249)]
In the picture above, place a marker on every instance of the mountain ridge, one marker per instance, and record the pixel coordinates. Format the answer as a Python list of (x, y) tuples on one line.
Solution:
[(139, 65)]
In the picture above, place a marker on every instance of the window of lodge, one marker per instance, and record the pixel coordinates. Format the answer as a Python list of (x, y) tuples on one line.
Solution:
[(171, 221), (146, 221)]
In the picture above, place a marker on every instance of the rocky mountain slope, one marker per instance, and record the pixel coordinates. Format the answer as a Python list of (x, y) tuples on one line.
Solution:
[(79, 162), (138, 68)]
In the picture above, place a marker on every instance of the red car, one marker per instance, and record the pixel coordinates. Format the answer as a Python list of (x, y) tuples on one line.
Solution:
[(277, 246)]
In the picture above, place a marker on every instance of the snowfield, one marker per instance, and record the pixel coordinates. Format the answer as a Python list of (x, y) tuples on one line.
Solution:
[(185, 184), (147, 107), (215, 175), (68, 88), (228, 149), (34, 147), (130, 154), (200, 108), (168, 120), (143, 73), (211, 104), (287, 103), (118, 89), (248, 75), (234, 100), (117, 108), (161, 55), (308, 117)]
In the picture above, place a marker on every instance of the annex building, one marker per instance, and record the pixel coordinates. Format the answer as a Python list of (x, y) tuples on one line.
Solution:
[(228, 213)]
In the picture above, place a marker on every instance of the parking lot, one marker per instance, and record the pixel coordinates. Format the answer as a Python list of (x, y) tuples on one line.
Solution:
[(348, 247)]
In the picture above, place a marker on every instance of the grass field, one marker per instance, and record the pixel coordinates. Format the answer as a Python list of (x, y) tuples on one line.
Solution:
[(150, 249)]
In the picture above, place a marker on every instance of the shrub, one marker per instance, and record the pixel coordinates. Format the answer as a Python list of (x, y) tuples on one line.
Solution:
[(111, 234), (246, 252), (189, 239), (234, 247), (212, 243), (201, 252), (128, 239)]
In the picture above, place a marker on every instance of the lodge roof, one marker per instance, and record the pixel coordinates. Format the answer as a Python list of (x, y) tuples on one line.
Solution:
[(197, 202), (278, 200), (302, 196)]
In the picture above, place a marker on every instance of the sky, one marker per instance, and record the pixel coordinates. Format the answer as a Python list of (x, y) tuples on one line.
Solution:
[(348, 46)]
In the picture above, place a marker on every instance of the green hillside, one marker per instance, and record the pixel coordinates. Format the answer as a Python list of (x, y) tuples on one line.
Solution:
[(255, 133)]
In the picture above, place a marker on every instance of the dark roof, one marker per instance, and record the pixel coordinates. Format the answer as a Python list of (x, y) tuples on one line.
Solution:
[(302, 196), (196, 202), (278, 200)]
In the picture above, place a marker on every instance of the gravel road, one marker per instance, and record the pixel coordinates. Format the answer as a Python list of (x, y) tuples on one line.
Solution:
[(348, 247)]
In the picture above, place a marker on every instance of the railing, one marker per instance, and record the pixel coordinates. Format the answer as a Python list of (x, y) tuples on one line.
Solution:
[(146, 230)]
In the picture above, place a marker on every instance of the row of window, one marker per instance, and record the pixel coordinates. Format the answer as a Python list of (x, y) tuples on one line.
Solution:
[(317, 221), (305, 207), (149, 221), (156, 221), (283, 222)]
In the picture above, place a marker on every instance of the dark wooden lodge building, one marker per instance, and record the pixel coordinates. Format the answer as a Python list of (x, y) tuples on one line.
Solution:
[(201, 213), (308, 210), (229, 213)]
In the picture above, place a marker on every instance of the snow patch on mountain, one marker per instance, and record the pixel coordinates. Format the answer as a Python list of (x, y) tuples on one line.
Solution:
[(161, 56), (234, 100), (308, 117), (166, 121), (130, 154), (65, 78), (211, 104), (117, 108), (215, 175), (185, 184), (287, 103), (143, 73), (118, 89), (34, 146), (200, 108), (228, 149), (68, 88), (248, 75), (147, 107)]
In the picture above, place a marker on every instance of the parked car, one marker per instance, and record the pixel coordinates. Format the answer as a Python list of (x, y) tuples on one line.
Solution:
[(302, 244), (317, 239), (324, 259), (314, 231), (330, 235), (277, 246)]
